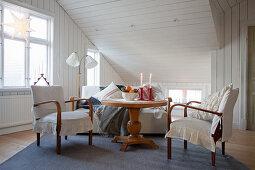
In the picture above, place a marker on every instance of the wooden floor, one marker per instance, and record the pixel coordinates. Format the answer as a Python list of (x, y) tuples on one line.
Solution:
[(241, 146)]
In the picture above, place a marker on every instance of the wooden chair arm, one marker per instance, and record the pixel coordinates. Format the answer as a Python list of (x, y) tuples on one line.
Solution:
[(185, 107), (58, 112), (193, 102), (90, 105)]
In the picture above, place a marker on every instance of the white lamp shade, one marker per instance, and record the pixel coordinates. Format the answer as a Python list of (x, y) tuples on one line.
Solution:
[(73, 60), (90, 62)]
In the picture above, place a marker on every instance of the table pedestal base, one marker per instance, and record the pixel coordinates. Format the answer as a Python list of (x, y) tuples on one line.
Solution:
[(131, 140)]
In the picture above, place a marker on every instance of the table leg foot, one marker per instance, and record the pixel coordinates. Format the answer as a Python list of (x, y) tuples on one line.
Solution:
[(151, 143), (124, 147), (117, 138), (132, 140)]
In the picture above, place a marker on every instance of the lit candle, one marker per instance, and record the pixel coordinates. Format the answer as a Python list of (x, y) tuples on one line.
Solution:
[(150, 79), (141, 79)]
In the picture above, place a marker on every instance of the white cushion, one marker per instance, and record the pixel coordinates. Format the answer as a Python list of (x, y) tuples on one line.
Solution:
[(72, 123), (226, 107), (112, 91), (211, 103), (46, 93), (157, 92), (88, 91), (193, 130)]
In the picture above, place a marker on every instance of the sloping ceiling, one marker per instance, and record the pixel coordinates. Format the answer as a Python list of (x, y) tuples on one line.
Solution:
[(171, 39)]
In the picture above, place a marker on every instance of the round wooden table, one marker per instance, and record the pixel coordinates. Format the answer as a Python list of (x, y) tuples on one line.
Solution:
[(134, 126)]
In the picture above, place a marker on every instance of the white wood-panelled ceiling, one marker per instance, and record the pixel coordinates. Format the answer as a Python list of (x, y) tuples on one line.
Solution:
[(171, 39)]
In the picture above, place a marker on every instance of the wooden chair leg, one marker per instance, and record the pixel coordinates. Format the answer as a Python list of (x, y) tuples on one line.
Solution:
[(58, 144), (169, 148), (213, 158), (223, 148), (38, 139), (90, 137), (185, 144), (65, 137)]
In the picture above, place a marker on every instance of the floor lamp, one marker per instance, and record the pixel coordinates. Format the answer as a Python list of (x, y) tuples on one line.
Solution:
[(74, 60)]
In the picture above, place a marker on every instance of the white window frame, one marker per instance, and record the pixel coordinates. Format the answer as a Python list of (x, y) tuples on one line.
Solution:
[(96, 70), (184, 93), (47, 42)]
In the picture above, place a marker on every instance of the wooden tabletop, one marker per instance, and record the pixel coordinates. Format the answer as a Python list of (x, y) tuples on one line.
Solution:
[(133, 104)]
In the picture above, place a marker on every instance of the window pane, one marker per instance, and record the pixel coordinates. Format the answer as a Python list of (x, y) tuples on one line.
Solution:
[(93, 74), (8, 18), (38, 61), (39, 26), (176, 95), (14, 63), (194, 95)]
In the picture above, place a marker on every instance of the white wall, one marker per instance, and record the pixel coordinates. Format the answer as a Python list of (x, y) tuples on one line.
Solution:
[(229, 63), (107, 73), (68, 37)]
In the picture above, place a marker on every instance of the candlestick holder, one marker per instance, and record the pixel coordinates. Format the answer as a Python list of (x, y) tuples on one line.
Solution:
[(150, 95), (141, 94), (42, 77)]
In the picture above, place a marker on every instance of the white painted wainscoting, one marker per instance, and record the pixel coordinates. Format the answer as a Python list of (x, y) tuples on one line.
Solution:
[(229, 63), (15, 112)]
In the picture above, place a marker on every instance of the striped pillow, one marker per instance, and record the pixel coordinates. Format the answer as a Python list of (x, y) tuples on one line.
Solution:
[(112, 91)]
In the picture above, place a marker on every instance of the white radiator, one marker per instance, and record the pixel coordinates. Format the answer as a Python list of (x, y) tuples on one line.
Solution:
[(15, 113)]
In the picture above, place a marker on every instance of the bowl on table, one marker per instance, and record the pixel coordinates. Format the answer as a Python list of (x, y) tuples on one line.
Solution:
[(129, 96)]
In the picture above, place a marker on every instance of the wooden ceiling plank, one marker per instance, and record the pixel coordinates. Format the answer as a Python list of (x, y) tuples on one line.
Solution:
[(144, 11), (142, 23), (152, 5), (165, 24)]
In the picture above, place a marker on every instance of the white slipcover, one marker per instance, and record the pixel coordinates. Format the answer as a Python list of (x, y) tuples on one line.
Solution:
[(46, 93), (45, 115), (199, 132), (194, 130), (71, 123)]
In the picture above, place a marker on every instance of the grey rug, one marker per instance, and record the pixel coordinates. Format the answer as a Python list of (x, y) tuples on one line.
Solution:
[(77, 154)]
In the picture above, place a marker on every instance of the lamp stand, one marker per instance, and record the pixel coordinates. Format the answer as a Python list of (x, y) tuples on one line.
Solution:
[(79, 90), (79, 83)]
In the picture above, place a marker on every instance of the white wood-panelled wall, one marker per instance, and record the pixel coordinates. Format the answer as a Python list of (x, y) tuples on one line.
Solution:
[(107, 73), (229, 63), (68, 37)]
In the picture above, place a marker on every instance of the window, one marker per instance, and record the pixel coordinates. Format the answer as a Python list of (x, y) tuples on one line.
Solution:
[(185, 95), (177, 95), (194, 95), (23, 61), (93, 74)]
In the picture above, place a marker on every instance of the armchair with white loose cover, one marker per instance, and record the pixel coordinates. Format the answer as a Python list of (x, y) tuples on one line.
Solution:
[(50, 115), (203, 132)]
